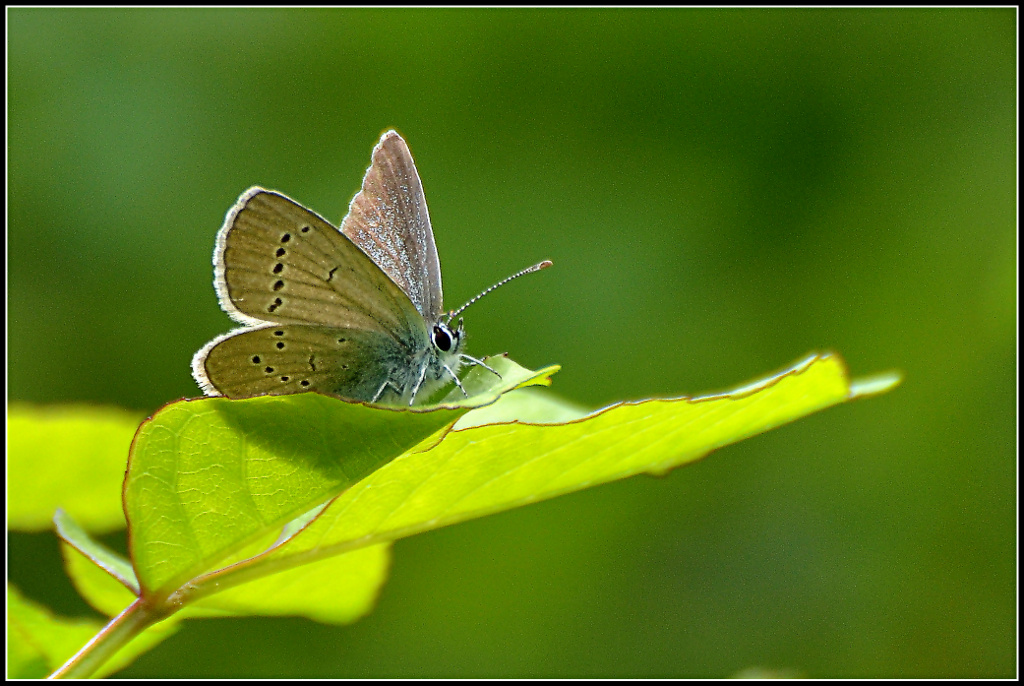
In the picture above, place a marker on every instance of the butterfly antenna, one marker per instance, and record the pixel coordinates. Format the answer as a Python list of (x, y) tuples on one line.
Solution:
[(535, 268)]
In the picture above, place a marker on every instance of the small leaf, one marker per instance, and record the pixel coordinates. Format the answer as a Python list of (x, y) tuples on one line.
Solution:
[(71, 457), (104, 558), (101, 590), (38, 642)]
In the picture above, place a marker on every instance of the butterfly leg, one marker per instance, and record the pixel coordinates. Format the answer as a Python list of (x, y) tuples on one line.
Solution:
[(382, 387), (478, 362), (457, 382), (419, 382)]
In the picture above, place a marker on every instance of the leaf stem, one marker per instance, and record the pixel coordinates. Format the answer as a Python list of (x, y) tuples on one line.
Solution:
[(111, 638)]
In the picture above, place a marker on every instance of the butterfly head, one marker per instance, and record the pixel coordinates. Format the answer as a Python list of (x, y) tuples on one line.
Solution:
[(446, 340)]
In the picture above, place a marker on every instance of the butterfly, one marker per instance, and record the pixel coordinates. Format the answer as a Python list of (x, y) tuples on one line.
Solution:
[(354, 312)]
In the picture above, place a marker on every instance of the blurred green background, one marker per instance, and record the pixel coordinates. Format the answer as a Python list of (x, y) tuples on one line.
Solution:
[(720, 191)]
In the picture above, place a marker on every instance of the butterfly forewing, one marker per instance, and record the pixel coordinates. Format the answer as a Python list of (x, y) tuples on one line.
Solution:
[(388, 219), (277, 261), (282, 359)]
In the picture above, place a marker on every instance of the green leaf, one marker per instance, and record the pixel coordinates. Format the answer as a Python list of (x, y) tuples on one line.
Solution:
[(101, 556), (101, 590), (206, 477), (286, 505), (867, 386), (71, 457), (335, 590), (37, 641), (486, 469), (533, 405)]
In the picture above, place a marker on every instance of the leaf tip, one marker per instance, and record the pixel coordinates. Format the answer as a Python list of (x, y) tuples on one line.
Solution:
[(875, 384)]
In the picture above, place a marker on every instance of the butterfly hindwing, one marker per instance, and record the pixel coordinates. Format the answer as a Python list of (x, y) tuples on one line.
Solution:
[(282, 359), (388, 220)]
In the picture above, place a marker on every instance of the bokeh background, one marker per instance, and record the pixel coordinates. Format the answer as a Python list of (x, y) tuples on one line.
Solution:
[(721, 192)]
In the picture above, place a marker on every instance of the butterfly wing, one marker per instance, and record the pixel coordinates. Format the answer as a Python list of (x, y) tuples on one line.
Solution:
[(320, 314), (283, 359), (277, 261), (388, 220)]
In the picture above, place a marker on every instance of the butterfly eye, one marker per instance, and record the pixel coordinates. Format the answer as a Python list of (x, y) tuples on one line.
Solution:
[(442, 339)]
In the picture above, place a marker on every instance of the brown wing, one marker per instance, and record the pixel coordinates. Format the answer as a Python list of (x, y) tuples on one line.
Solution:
[(282, 359), (277, 261), (388, 219)]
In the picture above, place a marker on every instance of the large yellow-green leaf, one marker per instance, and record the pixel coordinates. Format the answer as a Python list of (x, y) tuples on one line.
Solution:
[(286, 505), (334, 590), (488, 468)]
